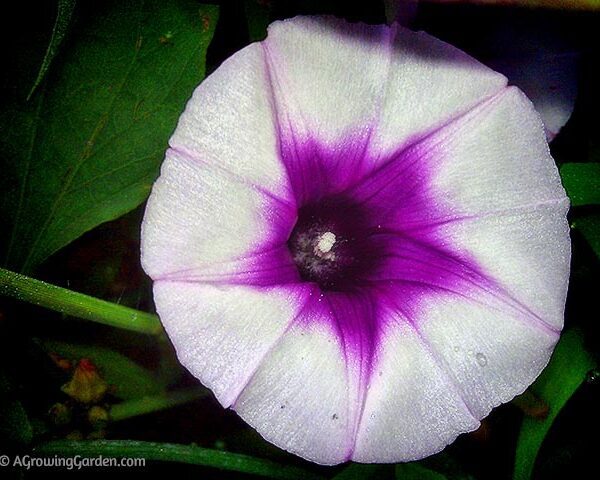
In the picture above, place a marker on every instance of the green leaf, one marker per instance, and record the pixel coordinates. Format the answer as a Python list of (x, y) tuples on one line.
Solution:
[(129, 379), (87, 148), (258, 13), (445, 465), (61, 25), (14, 422), (414, 471), (557, 383), (401, 471), (582, 182), (589, 226), (150, 404), (168, 452), (362, 471)]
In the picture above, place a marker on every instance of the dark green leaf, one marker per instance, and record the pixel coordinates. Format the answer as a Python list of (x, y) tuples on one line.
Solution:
[(557, 383), (414, 471), (129, 379), (151, 404), (61, 25), (258, 14), (446, 465), (87, 148), (582, 182), (401, 471), (589, 226), (361, 471), (168, 452), (14, 422)]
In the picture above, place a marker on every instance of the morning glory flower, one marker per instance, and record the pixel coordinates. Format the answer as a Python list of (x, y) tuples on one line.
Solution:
[(358, 240)]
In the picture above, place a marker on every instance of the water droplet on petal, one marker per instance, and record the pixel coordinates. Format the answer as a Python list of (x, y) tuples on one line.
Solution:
[(457, 349), (481, 359)]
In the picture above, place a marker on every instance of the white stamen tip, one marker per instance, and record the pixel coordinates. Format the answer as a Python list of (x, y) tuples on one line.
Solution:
[(326, 242)]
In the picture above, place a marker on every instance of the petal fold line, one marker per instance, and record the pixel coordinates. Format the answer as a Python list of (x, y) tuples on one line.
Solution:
[(186, 153)]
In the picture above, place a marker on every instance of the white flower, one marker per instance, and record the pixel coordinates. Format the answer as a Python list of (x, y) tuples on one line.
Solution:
[(358, 240)]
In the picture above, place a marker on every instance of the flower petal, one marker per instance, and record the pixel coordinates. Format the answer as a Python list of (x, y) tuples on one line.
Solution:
[(412, 409), (351, 94), (508, 206), (221, 334), (429, 84), (494, 173), (199, 216), (319, 67), (535, 255), (229, 122), (495, 158), (492, 350), (299, 398)]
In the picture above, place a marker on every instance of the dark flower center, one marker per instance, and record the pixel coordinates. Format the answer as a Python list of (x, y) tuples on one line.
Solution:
[(331, 243)]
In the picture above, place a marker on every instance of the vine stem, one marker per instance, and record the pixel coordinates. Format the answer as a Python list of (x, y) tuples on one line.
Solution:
[(79, 305), (169, 452)]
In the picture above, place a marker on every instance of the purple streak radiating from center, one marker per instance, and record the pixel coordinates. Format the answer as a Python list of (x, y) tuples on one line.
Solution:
[(388, 253)]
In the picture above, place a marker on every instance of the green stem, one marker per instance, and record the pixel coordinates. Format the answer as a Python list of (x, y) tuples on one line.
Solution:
[(76, 304), (149, 404), (168, 452)]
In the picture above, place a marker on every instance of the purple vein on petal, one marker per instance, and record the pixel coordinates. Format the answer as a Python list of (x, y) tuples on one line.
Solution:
[(359, 335), (392, 32), (433, 354), (286, 140), (445, 220), (417, 141), (310, 290), (400, 183), (268, 267), (447, 271), (273, 103), (194, 157), (313, 169), (443, 263)]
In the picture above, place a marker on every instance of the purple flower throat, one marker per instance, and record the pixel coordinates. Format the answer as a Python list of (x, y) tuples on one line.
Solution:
[(331, 243), (366, 237)]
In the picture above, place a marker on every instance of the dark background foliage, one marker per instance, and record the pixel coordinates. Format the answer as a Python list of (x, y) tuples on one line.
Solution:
[(87, 104)]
